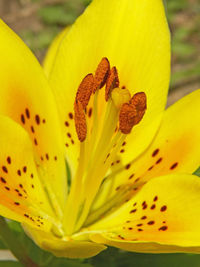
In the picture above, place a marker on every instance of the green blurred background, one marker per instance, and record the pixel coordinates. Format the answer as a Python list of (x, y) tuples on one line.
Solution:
[(38, 22)]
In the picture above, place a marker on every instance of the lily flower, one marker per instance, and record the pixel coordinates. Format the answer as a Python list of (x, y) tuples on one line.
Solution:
[(98, 108)]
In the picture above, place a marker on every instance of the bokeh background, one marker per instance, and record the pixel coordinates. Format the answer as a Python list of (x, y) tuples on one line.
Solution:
[(38, 22)]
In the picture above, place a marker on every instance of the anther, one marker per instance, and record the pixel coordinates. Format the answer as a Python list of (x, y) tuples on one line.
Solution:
[(80, 121), (101, 74), (85, 90), (127, 116), (111, 83), (132, 113), (139, 100)]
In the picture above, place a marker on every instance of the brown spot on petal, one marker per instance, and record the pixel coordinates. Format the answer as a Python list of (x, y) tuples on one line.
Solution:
[(80, 121), (32, 129), (71, 116), (163, 228), (121, 237), (69, 135), (144, 206), (3, 180), (85, 90), (159, 160), (35, 141), (112, 82), (37, 119), (131, 176), (23, 119), (4, 168), (155, 198), (133, 211), (150, 222), (27, 113), (163, 208), (128, 166), (9, 160), (174, 166), (150, 168), (90, 112), (155, 152)]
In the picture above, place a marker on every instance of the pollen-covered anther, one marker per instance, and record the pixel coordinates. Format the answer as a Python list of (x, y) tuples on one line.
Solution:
[(132, 113), (80, 120), (85, 90), (112, 82), (139, 100), (101, 74)]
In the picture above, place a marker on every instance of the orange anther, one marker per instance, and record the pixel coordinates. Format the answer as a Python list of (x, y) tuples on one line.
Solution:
[(132, 113), (85, 90), (139, 100), (112, 82), (80, 120), (101, 74)]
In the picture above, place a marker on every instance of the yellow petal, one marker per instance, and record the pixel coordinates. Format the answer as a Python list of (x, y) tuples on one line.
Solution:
[(134, 36), (26, 98), (162, 217), (22, 195), (73, 249), (176, 148), (52, 51), (64, 248)]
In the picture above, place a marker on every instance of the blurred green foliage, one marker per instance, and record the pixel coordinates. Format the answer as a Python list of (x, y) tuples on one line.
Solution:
[(184, 20), (53, 19)]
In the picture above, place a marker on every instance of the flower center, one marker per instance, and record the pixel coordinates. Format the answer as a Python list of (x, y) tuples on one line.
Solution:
[(101, 136)]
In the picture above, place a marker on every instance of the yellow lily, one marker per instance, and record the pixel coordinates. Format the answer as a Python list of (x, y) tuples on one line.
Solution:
[(130, 188)]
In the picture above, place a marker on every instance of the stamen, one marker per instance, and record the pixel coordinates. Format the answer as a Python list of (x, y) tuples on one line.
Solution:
[(121, 112), (112, 82), (139, 100), (131, 113), (127, 116), (101, 74), (85, 90), (80, 121)]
